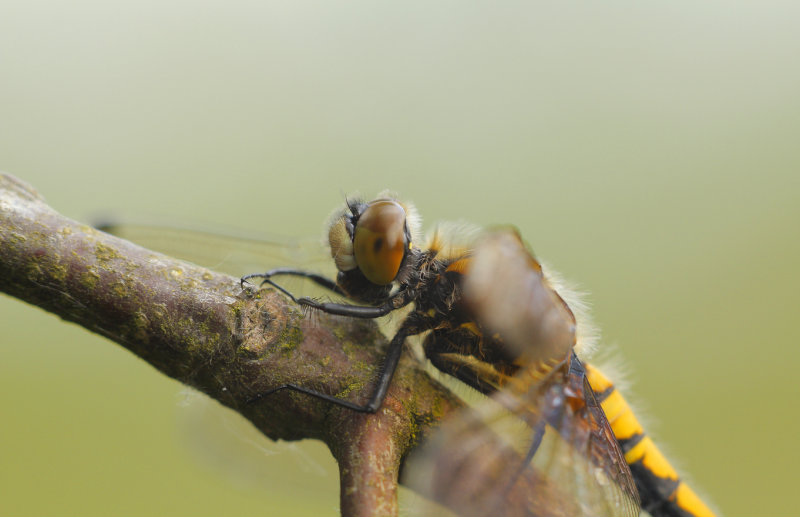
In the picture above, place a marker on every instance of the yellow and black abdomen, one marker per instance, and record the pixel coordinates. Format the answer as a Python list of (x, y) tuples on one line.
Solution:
[(662, 492)]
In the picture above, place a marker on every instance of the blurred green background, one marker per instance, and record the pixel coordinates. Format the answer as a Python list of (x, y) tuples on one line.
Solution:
[(648, 151)]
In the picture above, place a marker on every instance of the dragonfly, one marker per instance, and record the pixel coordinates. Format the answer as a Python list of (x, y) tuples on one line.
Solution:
[(577, 430)]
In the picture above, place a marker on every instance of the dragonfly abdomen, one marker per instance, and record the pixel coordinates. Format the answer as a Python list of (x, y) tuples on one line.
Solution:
[(662, 492)]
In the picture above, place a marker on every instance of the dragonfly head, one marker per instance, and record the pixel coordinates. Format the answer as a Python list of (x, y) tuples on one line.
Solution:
[(375, 238)]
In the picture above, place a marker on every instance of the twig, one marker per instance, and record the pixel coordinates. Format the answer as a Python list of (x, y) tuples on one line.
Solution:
[(199, 327)]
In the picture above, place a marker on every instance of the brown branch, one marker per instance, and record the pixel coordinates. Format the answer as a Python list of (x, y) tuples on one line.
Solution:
[(201, 328)]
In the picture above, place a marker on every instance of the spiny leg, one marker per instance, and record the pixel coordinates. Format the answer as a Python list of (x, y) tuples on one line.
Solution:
[(472, 374), (393, 353), (320, 280), (385, 375), (342, 309)]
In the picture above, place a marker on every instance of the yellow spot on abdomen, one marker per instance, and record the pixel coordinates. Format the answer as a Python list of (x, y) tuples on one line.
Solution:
[(688, 500), (647, 452), (623, 421)]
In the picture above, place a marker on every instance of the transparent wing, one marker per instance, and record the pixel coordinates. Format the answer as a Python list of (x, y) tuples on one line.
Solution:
[(230, 253), (541, 444), (216, 437), (486, 461)]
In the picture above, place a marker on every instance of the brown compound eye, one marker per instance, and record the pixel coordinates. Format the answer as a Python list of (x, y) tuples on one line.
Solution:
[(380, 242)]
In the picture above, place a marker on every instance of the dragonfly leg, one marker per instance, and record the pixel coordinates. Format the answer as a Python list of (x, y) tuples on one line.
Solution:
[(376, 399), (320, 280), (538, 435), (473, 376), (353, 311)]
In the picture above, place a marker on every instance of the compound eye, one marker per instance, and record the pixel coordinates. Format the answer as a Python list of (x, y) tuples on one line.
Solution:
[(379, 242)]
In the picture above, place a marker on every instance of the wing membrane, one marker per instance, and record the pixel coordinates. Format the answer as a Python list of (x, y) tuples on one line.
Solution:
[(492, 459), (236, 255), (479, 464)]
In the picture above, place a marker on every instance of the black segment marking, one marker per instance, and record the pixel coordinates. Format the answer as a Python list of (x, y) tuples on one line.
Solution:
[(626, 444)]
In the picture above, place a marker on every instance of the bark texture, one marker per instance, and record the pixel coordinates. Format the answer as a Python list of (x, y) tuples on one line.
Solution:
[(199, 327)]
